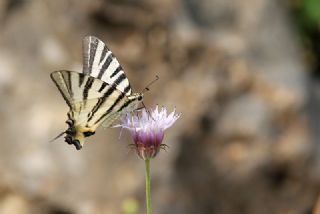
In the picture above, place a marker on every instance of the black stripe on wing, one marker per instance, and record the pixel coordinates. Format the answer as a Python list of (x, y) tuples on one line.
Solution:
[(69, 85), (87, 87), (81, 79), (127, 89), (61, 84), (119, 68), (104, 52), (105, 65), (104, 84)]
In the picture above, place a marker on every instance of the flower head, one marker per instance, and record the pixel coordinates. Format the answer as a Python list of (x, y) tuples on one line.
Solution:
[(147, 130)]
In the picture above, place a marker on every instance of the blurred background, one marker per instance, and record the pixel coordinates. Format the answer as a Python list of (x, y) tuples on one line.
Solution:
[(245, 74)]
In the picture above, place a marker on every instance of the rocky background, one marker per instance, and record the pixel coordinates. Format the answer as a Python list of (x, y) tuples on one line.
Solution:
[(237, 70)]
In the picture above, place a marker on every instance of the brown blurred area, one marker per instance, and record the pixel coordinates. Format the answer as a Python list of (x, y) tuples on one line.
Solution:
[(247, 140)]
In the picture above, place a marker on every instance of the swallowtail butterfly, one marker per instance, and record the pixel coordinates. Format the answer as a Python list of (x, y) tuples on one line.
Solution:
[(100, 94)]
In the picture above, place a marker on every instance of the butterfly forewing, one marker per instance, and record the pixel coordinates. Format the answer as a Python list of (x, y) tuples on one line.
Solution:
[(100, 62)]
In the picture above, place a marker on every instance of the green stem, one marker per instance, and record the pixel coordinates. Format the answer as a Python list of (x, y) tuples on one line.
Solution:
[(148, 195)]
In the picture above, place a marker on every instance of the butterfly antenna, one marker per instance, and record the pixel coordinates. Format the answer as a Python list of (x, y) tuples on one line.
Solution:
[(59, 135), (147, 87), (144, 106)]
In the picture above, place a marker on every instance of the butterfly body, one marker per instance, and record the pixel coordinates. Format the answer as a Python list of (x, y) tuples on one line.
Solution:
[(101, 94)]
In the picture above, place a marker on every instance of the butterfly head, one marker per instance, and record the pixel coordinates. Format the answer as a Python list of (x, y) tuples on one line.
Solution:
[(137, 96)]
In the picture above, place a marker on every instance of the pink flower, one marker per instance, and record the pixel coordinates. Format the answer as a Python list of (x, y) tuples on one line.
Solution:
[(147, 130)]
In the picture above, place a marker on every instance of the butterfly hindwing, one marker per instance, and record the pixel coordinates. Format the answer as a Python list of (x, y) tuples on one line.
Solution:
[(100, 62)]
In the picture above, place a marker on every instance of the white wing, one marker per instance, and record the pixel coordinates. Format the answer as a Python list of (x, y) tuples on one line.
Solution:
[(100, 62)]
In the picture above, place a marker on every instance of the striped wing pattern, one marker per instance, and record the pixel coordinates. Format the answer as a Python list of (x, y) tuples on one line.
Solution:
[(101, 93), (100, 62), (91, 100)]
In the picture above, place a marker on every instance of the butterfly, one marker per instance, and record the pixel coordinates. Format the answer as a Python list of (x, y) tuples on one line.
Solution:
[(100, 94)]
